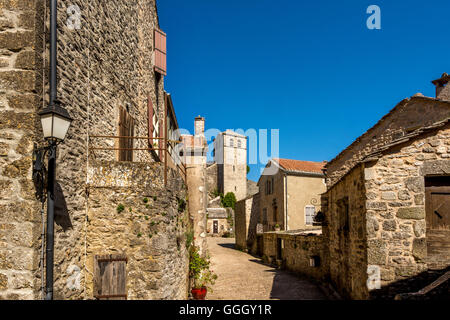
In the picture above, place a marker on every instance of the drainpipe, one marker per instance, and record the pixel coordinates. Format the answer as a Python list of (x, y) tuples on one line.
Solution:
[(285, 203), (49, 258)]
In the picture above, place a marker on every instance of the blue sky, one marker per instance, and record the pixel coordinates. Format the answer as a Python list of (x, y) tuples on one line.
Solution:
[(311, 69)]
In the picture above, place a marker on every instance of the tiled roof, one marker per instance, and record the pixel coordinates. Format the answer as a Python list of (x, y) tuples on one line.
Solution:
[(300, 166)]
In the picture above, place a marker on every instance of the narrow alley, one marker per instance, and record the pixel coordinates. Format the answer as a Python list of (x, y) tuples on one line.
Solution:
[(244, 277)]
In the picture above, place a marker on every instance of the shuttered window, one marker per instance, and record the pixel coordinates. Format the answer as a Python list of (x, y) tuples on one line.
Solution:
[(126, 129), (160, 52), (110, 277), (310, 212), (151, 125)]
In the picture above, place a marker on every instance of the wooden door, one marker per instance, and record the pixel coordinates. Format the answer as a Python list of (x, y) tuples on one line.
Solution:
[(438, 220), (216, 226), (110, 277)]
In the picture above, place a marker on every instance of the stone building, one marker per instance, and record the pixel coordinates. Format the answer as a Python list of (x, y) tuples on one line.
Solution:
[(290, 193), (387, 205), (288, 197), (230, 156), (116, 208)]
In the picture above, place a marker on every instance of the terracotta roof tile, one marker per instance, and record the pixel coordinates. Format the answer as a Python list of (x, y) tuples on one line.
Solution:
[(301, 166)]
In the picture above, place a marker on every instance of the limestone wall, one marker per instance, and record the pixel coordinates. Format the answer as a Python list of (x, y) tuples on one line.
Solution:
[(297, 252), (396, 216), (104, 65), (20, 95), (150, 231), (246, 219), (345, 235)]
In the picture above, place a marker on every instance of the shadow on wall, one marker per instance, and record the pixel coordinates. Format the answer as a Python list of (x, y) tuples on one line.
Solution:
[(252, 225), (414, 284), (62, 217)]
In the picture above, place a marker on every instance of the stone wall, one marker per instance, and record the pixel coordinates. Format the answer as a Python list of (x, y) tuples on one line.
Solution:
[(104, 65), (150, 231), (246, 219), (20, 92), (409, 114), (396, 217), (297, 252), (211, 180), (345, 234)]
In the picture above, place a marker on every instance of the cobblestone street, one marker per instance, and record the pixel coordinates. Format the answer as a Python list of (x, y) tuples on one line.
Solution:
[(244, 277)]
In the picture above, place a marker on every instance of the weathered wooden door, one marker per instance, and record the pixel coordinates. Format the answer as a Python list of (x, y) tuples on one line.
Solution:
[(110, 277), (438, 220), (215, 226)]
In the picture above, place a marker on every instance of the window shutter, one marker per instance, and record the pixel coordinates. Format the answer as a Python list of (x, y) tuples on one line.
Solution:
[(150, 121), (110, 277), (126, 129), (161, 142), (160, 52)]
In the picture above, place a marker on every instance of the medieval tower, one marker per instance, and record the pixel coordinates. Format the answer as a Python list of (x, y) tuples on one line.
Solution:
[(230, 155)]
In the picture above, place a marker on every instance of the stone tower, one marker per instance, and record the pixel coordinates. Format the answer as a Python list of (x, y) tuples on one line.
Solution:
[(230, 154), (195, 148)]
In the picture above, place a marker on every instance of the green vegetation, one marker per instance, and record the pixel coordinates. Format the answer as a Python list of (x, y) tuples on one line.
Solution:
[(189, 238), (229, 201), (199, 270), (181, 205), (145, 200), (120, 208)]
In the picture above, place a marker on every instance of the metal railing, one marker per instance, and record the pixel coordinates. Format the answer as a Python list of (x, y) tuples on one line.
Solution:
[(163, 149)]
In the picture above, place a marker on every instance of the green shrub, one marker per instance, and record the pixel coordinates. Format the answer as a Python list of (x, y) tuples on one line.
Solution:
[(229, 201), (120, 208)]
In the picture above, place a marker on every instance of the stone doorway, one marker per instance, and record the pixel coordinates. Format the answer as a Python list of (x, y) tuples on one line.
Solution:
[(437, 206), (215, 227)]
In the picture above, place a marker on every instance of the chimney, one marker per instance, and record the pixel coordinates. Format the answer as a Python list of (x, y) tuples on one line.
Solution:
[(442, 87), (199, 125)]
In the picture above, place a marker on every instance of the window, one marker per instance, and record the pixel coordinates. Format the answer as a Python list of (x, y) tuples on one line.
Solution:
[(310, 212), (271, 184), (239, 144), (231, 142), (126, 129), (264, 216), (110, 277)]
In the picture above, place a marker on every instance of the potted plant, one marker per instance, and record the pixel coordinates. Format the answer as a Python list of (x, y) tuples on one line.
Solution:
[(277, 227), (203, 278)]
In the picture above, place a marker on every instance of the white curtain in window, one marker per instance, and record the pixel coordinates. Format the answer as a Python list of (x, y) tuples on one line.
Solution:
[(310, 212)]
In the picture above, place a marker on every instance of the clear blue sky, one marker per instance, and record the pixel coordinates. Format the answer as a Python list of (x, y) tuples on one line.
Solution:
[(309, 68)]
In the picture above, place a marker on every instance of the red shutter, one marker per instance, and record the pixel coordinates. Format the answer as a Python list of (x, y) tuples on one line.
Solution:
[(160, 52), (150, 121)]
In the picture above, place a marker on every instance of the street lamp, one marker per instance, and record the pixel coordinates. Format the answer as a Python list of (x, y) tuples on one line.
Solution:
[(55, 122)]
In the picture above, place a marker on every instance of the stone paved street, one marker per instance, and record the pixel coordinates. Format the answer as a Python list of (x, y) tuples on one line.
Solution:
[(244, 277)]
